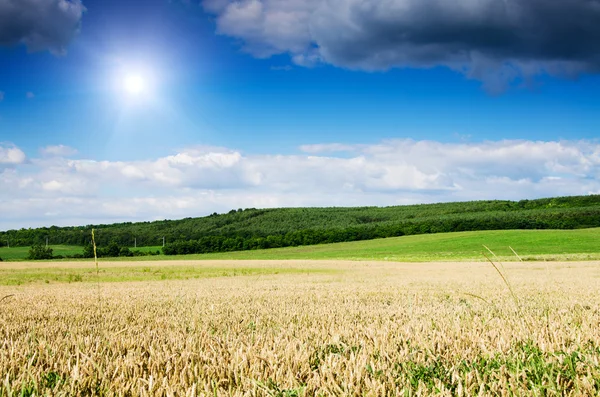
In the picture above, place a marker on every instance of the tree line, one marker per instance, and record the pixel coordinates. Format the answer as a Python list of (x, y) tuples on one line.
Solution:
[(245, 229), (565, 219)]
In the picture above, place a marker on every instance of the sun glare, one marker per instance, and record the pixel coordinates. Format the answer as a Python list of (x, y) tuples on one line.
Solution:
[(134, 84)]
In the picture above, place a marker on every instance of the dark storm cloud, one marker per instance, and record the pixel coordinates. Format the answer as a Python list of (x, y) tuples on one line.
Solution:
[(440, 31), (491, 40), (40, 24)]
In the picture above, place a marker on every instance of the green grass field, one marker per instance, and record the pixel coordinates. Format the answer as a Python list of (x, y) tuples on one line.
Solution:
[(529, 244)]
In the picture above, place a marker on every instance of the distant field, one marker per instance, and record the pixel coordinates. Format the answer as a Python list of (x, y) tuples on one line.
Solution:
[(529, 244), (21, 253), (16, 253), (580, 244)]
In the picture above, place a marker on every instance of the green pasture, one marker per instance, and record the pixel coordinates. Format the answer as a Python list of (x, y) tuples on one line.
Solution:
[(579, 244), (19, 253)]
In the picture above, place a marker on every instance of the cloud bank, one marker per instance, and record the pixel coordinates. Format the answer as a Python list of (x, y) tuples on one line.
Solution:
[(489, 40), (41, 25), (198, 181)]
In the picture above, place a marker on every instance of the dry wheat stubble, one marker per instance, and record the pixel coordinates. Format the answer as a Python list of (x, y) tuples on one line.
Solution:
[(375, 329)]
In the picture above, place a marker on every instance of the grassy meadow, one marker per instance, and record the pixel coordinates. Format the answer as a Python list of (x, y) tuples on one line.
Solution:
[(21, 253), (579, 244), (529, 244), (306, 328)]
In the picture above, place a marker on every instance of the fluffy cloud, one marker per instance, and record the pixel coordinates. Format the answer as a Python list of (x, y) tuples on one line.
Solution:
[(493, 41), (58, 151), (198, 181), (40, 24), (11, 155)]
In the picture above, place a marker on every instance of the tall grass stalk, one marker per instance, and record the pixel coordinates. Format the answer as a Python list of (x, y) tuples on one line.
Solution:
[(496, 257), (515, 252), (95, 253), (502, 275), (6, 297), (476, 296), (97, 273)]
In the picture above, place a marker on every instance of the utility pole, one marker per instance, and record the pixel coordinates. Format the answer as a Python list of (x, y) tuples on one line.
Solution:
[(163, 241), (46, 242), (135, 242)]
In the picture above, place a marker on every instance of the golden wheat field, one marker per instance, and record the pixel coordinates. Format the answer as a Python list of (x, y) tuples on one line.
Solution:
[(328, 328)]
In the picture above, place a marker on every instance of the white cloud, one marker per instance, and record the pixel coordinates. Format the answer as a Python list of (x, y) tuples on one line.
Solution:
[(133, 172), (58, 151), (198, 181), (11, 155), (328, 148), (52, 185), (268, 27)]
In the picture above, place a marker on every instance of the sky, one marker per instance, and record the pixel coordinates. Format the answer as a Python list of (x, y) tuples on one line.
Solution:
[(138, 110)]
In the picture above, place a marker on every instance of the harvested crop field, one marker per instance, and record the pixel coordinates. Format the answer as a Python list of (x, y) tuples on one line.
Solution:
[(303, 328)]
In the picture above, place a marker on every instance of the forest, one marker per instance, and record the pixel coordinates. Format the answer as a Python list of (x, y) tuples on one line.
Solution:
[(247, 229)]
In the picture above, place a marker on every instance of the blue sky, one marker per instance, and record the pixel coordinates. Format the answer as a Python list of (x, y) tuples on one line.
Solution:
[(261, 103)]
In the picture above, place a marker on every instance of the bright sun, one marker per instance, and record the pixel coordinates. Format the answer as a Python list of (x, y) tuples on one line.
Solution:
[(134, 84)]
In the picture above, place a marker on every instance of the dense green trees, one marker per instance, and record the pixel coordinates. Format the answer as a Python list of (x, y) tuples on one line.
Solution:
[(114, 250), (39, 251), (269, 228), (565, 218)]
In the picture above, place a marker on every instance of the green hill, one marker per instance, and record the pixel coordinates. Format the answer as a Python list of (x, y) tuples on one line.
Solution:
[(580, 244), (280, 227)]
